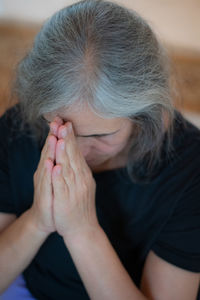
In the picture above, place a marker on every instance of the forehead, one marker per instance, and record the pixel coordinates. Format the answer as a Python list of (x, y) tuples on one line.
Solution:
[(86, 118)]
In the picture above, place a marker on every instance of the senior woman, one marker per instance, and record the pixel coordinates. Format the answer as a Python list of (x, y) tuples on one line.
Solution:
[(99, 173)]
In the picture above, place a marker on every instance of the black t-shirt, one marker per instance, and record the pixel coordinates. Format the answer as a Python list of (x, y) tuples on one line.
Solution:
[(163, 215)]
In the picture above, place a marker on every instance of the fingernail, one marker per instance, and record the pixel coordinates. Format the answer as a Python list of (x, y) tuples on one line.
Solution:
[(52, 129), (64, 132), (62, 146), (58, 171)]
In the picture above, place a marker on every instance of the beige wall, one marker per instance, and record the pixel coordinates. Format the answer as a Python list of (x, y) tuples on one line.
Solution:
[(177, 22)]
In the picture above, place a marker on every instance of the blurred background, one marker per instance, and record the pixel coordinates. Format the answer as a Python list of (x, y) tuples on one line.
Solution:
[(176, 22)]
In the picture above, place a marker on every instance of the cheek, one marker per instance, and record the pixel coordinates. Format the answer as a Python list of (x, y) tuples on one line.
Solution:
[(105, 147)]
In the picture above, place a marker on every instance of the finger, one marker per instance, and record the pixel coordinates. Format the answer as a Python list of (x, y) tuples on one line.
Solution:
[(75, 157), (47, 178), (62, 131), (51, 148), (59, 186), (63, 134), (44, 181), (62, 158), (55, 125), (58, 120), (61, 155), (60, 152), (48, 150)]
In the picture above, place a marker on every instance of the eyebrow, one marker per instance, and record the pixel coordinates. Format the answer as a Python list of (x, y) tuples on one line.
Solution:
[(91, 135)]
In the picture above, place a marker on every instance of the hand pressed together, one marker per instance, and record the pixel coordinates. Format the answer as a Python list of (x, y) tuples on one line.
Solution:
[(64, 188)]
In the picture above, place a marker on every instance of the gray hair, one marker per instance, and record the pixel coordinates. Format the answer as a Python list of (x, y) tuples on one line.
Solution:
[(103, 54)]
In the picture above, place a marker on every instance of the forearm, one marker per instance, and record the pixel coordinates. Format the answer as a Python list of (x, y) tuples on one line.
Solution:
[(100, 268), (19, 243)]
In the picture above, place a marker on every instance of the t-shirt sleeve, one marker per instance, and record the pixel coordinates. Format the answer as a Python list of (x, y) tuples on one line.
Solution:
[(179, 240), (6, 204)]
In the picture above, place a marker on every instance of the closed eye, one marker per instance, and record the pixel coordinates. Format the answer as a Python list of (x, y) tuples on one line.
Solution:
[(97, 136)]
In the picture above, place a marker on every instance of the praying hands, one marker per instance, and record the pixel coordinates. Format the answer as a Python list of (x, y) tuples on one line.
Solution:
[(64, 188)]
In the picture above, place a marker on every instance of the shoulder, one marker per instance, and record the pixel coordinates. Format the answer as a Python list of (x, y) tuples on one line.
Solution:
[(179, 185), (17, 141), (13, 127), (183, 156), (11, 122), (11, 115), (185, 134), (179, 177)]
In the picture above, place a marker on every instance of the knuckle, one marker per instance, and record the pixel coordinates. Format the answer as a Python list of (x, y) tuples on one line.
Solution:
[(84, 187), (79, 170), (69, 175)]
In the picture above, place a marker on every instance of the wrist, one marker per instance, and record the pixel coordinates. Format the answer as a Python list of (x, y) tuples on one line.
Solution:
[(83, 235), (35, 226)]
